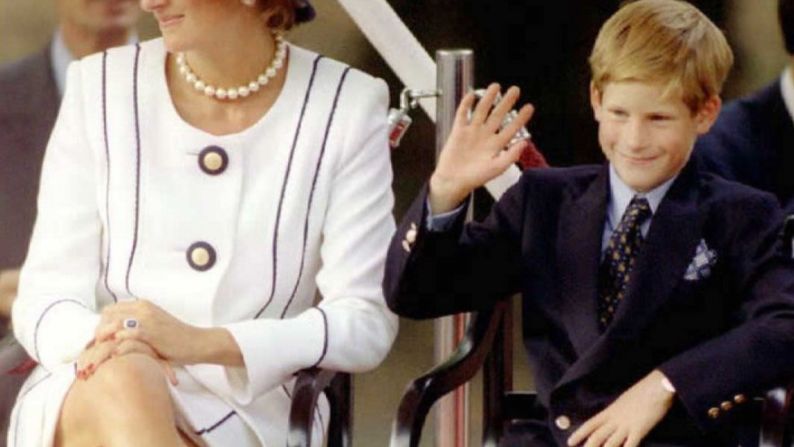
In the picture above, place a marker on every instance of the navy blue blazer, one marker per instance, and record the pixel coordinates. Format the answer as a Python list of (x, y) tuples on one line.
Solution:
[(752, 142), (721, 337), (29, 102)]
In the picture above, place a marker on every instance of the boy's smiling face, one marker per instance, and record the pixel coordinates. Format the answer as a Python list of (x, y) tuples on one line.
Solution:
[(646, 136)]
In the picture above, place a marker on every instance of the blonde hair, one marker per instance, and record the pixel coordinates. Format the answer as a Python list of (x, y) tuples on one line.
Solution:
[(665, 41)]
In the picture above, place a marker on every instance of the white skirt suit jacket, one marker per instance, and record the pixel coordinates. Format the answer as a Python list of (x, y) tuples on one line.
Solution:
[(300, 201)]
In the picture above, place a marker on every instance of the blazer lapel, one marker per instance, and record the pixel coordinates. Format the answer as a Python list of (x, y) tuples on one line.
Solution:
[(778, 143), (582, 217), (672, 239)]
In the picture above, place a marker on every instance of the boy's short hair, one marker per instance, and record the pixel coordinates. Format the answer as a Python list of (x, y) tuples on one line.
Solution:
[(666, 41)]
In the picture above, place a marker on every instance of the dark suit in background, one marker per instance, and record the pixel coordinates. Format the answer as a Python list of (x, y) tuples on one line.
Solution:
[(29, 102), (720, 333), (752, 142)]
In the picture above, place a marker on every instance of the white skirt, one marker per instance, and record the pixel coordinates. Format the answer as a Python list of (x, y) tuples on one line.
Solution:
[(207, 419)]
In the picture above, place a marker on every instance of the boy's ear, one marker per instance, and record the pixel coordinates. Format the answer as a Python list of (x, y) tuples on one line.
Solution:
[(707, 114), (595, 101)]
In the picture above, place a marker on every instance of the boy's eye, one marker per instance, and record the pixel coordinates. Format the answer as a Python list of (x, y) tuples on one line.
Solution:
[(619, 113), (660, 117)]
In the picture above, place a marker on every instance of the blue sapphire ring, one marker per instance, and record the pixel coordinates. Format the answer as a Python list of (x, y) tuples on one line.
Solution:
[(131, 323)]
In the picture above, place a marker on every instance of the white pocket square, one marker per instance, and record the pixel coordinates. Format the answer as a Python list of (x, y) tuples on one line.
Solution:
[(702, 263)]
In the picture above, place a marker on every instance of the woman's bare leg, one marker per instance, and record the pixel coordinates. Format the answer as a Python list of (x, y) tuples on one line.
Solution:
[(126, 402)]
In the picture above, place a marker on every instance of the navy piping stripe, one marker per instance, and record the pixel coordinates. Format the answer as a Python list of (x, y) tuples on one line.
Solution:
[(325, 339), (107, 165), (314, 184), (216, 425), (137, 163), (19, 403), (284, 186), (41, 317)]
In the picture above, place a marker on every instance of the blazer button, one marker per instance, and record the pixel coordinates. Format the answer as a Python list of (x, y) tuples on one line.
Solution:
[(563, 422), (201, 256), (726, 406), (410, 236), (213, 160), (714, 412), (740, 398)]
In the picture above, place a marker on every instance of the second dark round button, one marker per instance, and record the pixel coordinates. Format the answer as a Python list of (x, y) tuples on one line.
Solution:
[(213, 160), (201, 256)]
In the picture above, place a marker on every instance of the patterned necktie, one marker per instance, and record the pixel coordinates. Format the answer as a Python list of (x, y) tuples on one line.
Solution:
[(619, 256)]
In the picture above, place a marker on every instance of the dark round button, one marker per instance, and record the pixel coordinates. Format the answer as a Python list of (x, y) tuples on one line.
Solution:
[(213, 160), (201, 256)]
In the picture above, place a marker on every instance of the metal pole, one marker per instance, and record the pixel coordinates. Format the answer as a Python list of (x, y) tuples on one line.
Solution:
[(455, 77), (409, 61)]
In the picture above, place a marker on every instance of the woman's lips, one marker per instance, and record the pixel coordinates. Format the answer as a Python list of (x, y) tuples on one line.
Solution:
[(169, 21)]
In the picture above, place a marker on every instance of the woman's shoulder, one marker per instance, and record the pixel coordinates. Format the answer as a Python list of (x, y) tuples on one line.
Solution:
[(335, 73), (119, 60)]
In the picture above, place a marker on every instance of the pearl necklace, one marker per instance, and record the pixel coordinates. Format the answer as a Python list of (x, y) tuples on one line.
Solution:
[(239, 92)]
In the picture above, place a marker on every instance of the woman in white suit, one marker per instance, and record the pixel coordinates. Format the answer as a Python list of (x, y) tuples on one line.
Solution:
[(198, 191)]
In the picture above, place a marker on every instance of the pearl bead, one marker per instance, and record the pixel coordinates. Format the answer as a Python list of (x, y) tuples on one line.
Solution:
[(246, 89)]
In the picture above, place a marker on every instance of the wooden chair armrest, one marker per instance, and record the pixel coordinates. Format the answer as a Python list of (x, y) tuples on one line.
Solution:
[(309, 384), (464, 363)]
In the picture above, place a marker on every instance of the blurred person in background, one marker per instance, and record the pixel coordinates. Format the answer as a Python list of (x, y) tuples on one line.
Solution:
[(752, 141)]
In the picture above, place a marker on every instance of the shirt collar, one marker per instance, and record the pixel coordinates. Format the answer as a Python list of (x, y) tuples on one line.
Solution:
[(621, 194), (787, 90), (61, 58)]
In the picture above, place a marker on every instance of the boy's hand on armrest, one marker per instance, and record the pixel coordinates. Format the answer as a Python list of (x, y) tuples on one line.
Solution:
[(630, 418), (474, 152)]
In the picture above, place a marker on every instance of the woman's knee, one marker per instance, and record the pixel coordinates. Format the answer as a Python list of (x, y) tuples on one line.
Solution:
[(121, 384), (132, 374), (124, 393)]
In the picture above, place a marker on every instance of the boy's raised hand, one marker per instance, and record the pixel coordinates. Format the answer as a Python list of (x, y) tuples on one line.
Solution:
[(630, 418), (474, 152)]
